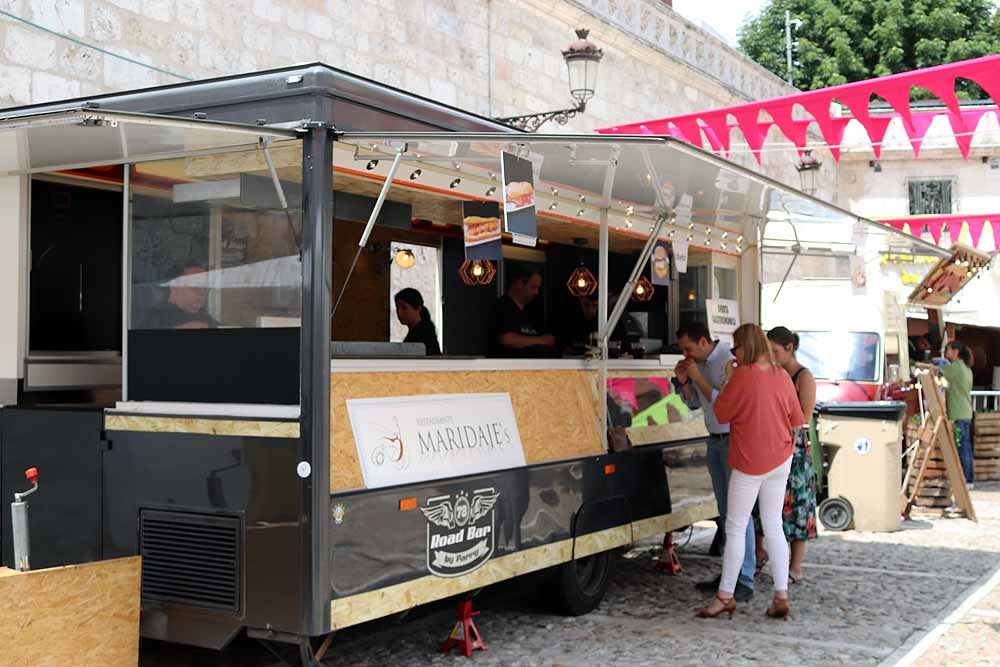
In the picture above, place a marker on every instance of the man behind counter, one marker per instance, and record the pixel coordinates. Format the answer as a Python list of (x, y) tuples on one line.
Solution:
[(511, 330)]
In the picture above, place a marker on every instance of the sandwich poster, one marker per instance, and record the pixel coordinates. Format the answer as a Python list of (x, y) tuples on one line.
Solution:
[(519, 199), (481, 230), (659, 264)]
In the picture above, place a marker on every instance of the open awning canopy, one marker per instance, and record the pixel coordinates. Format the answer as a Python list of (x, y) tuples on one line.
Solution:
[(78, 138), (706, 200)]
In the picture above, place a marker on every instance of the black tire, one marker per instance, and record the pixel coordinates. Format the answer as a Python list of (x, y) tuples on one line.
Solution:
[(836, 513), (581, 584)]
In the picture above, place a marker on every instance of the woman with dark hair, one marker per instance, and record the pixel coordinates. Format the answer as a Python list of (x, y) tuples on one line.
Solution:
[(412, 312), (758, 402), (800, 494), (958, 373)]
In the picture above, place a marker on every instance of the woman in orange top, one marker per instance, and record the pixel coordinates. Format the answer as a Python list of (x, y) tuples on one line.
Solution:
[(758, 401)]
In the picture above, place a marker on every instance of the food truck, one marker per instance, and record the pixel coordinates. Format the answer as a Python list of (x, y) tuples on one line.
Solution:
[(198, 350)]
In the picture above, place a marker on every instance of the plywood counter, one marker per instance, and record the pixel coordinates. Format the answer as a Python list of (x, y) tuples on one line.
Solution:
[(74, 615)]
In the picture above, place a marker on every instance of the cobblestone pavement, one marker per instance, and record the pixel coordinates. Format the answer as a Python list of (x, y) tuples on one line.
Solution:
[(869, 599)]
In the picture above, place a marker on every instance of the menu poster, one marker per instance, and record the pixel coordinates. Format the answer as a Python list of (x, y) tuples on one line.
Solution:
[(481, 230), (519, 199), (681, 256), (659, 264), (723, 318)]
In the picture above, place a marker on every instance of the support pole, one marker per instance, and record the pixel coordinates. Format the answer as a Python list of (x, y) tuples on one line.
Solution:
[(314, 364), (602, 289), (126, 270)]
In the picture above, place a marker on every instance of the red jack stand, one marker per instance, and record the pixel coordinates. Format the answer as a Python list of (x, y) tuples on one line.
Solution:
[(465, 635), (668, 559)]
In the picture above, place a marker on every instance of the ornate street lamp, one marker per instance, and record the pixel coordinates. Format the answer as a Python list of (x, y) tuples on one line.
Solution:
[(582, 60), (808, 167)]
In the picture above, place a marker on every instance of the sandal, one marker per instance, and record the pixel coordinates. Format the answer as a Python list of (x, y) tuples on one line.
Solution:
[(761, 563), (728, 606)]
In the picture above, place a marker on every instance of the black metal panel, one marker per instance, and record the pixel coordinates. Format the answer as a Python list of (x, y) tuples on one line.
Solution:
[(317, 302), (466, 335), (357, 208), (214, 365), (65, 512), (223, 475), (76, 268), (377, 545)]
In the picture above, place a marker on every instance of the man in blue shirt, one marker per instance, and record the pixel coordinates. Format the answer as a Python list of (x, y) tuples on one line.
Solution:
[(700, 375)]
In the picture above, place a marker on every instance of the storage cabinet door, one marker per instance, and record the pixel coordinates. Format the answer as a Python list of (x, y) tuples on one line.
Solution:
[(65, 513)]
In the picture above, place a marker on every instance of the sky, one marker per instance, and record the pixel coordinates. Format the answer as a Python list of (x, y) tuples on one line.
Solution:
[(723, 16)]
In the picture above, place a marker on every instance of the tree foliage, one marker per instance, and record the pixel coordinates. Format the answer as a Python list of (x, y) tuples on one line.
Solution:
[(840, 41)]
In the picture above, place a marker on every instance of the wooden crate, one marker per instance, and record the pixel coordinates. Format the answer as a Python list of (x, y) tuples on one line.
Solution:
[(986, 446), (74, 615)]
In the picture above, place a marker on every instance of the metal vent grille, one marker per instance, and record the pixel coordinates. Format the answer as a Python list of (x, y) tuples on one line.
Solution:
[(191, 559)]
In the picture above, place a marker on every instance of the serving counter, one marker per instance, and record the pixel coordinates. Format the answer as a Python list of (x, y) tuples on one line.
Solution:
[(556, 402)]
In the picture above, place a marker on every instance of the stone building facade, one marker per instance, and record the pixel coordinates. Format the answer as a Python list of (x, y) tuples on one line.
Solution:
[(492, 57)]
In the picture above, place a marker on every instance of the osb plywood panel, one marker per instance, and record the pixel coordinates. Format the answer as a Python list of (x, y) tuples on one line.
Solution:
[(75, 615), (657, 525), (148, 424), (556, 411), (654, 435)]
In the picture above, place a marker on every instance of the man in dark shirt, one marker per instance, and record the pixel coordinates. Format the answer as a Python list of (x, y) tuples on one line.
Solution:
[(510, 330), (185, 305)]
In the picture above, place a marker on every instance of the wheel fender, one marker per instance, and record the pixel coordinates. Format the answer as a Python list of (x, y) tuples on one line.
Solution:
[(600, 514)]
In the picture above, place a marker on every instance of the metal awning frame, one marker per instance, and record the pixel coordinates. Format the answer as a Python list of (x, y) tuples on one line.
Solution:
[(255, 136)]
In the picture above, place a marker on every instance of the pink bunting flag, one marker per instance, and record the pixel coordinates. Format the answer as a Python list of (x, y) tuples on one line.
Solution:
[(995, 224), (753, 130), (976, 229), (718, 123), (795, 130), (876, 132), (897, 94), (935, 227), (917, 129), (688, 125), (894, 89), (964, 125)]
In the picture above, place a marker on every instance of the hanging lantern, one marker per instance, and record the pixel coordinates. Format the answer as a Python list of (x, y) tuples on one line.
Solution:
[(643, 290), (477, 272), (581, 282)]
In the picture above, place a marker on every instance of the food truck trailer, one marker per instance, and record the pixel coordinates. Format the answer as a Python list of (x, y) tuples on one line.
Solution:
[(195, 353)]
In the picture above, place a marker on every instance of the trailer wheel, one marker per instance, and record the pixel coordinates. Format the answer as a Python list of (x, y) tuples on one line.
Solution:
[(836, 513), (582, 583)]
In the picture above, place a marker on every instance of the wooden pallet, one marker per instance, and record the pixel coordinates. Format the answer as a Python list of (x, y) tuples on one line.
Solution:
[(986, 446)]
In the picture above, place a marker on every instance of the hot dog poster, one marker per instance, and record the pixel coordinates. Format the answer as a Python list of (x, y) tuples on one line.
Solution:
[(519, 199), (481, 230)]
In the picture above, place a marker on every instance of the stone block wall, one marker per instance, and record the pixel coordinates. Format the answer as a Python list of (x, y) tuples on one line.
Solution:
[(492, 57)]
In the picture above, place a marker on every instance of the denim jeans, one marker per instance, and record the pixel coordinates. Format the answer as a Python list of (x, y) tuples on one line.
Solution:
[(963, 439), (718, 468)]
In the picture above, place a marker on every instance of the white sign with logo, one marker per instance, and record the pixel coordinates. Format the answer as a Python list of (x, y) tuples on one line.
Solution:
[(863, 446), (681, 256), (723, 318), (409, 439)]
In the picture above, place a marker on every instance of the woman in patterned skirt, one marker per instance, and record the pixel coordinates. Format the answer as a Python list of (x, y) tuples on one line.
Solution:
[(800, 494)]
